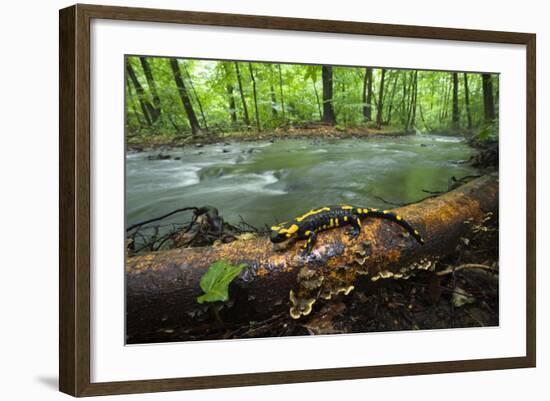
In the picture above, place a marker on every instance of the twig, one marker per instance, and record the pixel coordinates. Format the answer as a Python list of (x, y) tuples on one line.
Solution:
[(243, 223), (466, 266), (388, 202), (432, 192), (160, 218)]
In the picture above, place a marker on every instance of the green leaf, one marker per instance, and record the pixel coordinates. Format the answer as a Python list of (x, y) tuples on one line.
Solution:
[(484, 133), (215, 282), (488, 131), (311, 73)]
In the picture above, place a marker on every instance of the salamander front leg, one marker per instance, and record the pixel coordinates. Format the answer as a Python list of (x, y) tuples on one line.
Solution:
[(355, 227), (311, 238)]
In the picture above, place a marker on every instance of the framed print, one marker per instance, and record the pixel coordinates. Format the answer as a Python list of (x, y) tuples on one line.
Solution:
[(344, 199)]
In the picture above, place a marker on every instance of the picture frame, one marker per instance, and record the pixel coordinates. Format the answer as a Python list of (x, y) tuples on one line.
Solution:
[(76, 336)]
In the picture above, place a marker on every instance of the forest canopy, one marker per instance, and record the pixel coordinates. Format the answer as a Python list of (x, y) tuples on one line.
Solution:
[(171, 97)]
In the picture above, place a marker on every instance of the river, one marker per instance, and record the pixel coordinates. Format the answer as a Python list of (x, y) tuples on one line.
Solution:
[(268, 182)]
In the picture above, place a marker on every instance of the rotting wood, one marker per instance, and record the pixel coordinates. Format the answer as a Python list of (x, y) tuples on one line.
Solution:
[(162, 287)]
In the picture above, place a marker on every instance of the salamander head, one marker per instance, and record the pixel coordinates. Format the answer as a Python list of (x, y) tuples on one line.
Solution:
[(283, 232)]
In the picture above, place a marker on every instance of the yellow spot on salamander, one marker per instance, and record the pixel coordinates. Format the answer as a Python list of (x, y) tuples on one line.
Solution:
[(385, 212), (293, 228), (331, 223), (278, 226), (398, 217), (289, 231), (374, 210), (347, 207), (308, 232), (359, 210), (359, 222), (345, 218), (312, 212), (336, 222)]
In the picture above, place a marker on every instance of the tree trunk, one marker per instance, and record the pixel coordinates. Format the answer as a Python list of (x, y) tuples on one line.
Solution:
[(408, 107), (426, 126), (243, 100), (162, 287), (184, 96), (328, 110), (467, 101), (412, 94), (456, 114), (232, 106), (447, 88), (404, 103), (156, 110), (413, 102), (274, 113), (258, 126), (367, 94), (319, 109), (392, 97), (281, 91), (230, 95), (380, 107), (146, 107), (488, 103), (131, 101), (196, 95)]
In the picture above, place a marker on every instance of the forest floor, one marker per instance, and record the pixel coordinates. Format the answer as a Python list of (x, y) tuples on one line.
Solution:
[(302, 131)]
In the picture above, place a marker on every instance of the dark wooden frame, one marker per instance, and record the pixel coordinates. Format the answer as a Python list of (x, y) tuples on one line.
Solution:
[(74, 203)]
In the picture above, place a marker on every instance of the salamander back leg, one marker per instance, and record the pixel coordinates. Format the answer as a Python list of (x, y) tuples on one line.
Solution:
[(355, 227)]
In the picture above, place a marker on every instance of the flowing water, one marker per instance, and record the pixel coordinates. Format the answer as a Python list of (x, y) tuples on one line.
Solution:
[(265, 182)]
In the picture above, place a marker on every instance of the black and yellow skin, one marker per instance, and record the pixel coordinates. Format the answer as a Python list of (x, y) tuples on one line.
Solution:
[(306, 226)]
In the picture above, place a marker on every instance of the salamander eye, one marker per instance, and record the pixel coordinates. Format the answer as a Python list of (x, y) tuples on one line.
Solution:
[(277, 236)]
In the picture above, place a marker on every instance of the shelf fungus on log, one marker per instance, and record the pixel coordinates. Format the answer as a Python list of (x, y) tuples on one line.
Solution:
[(162, 287)]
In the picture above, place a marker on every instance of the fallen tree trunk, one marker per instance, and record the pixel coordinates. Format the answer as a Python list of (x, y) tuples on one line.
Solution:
[(162, 287)]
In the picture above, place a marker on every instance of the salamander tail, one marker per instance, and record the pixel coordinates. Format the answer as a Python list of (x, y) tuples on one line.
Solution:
[(385, 214)]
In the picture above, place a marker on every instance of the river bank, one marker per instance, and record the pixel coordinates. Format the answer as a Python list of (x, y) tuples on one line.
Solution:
[(137, 143)]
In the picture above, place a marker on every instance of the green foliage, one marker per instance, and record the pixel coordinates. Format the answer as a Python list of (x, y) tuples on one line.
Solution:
[(215, 282), (293, 93), (488, 131), (311, 72)]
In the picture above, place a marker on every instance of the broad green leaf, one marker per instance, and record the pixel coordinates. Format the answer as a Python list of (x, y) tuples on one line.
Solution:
[(215, 282), (484, 133)]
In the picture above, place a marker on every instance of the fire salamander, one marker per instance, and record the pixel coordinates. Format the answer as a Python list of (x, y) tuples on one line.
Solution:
[(306, 226)]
